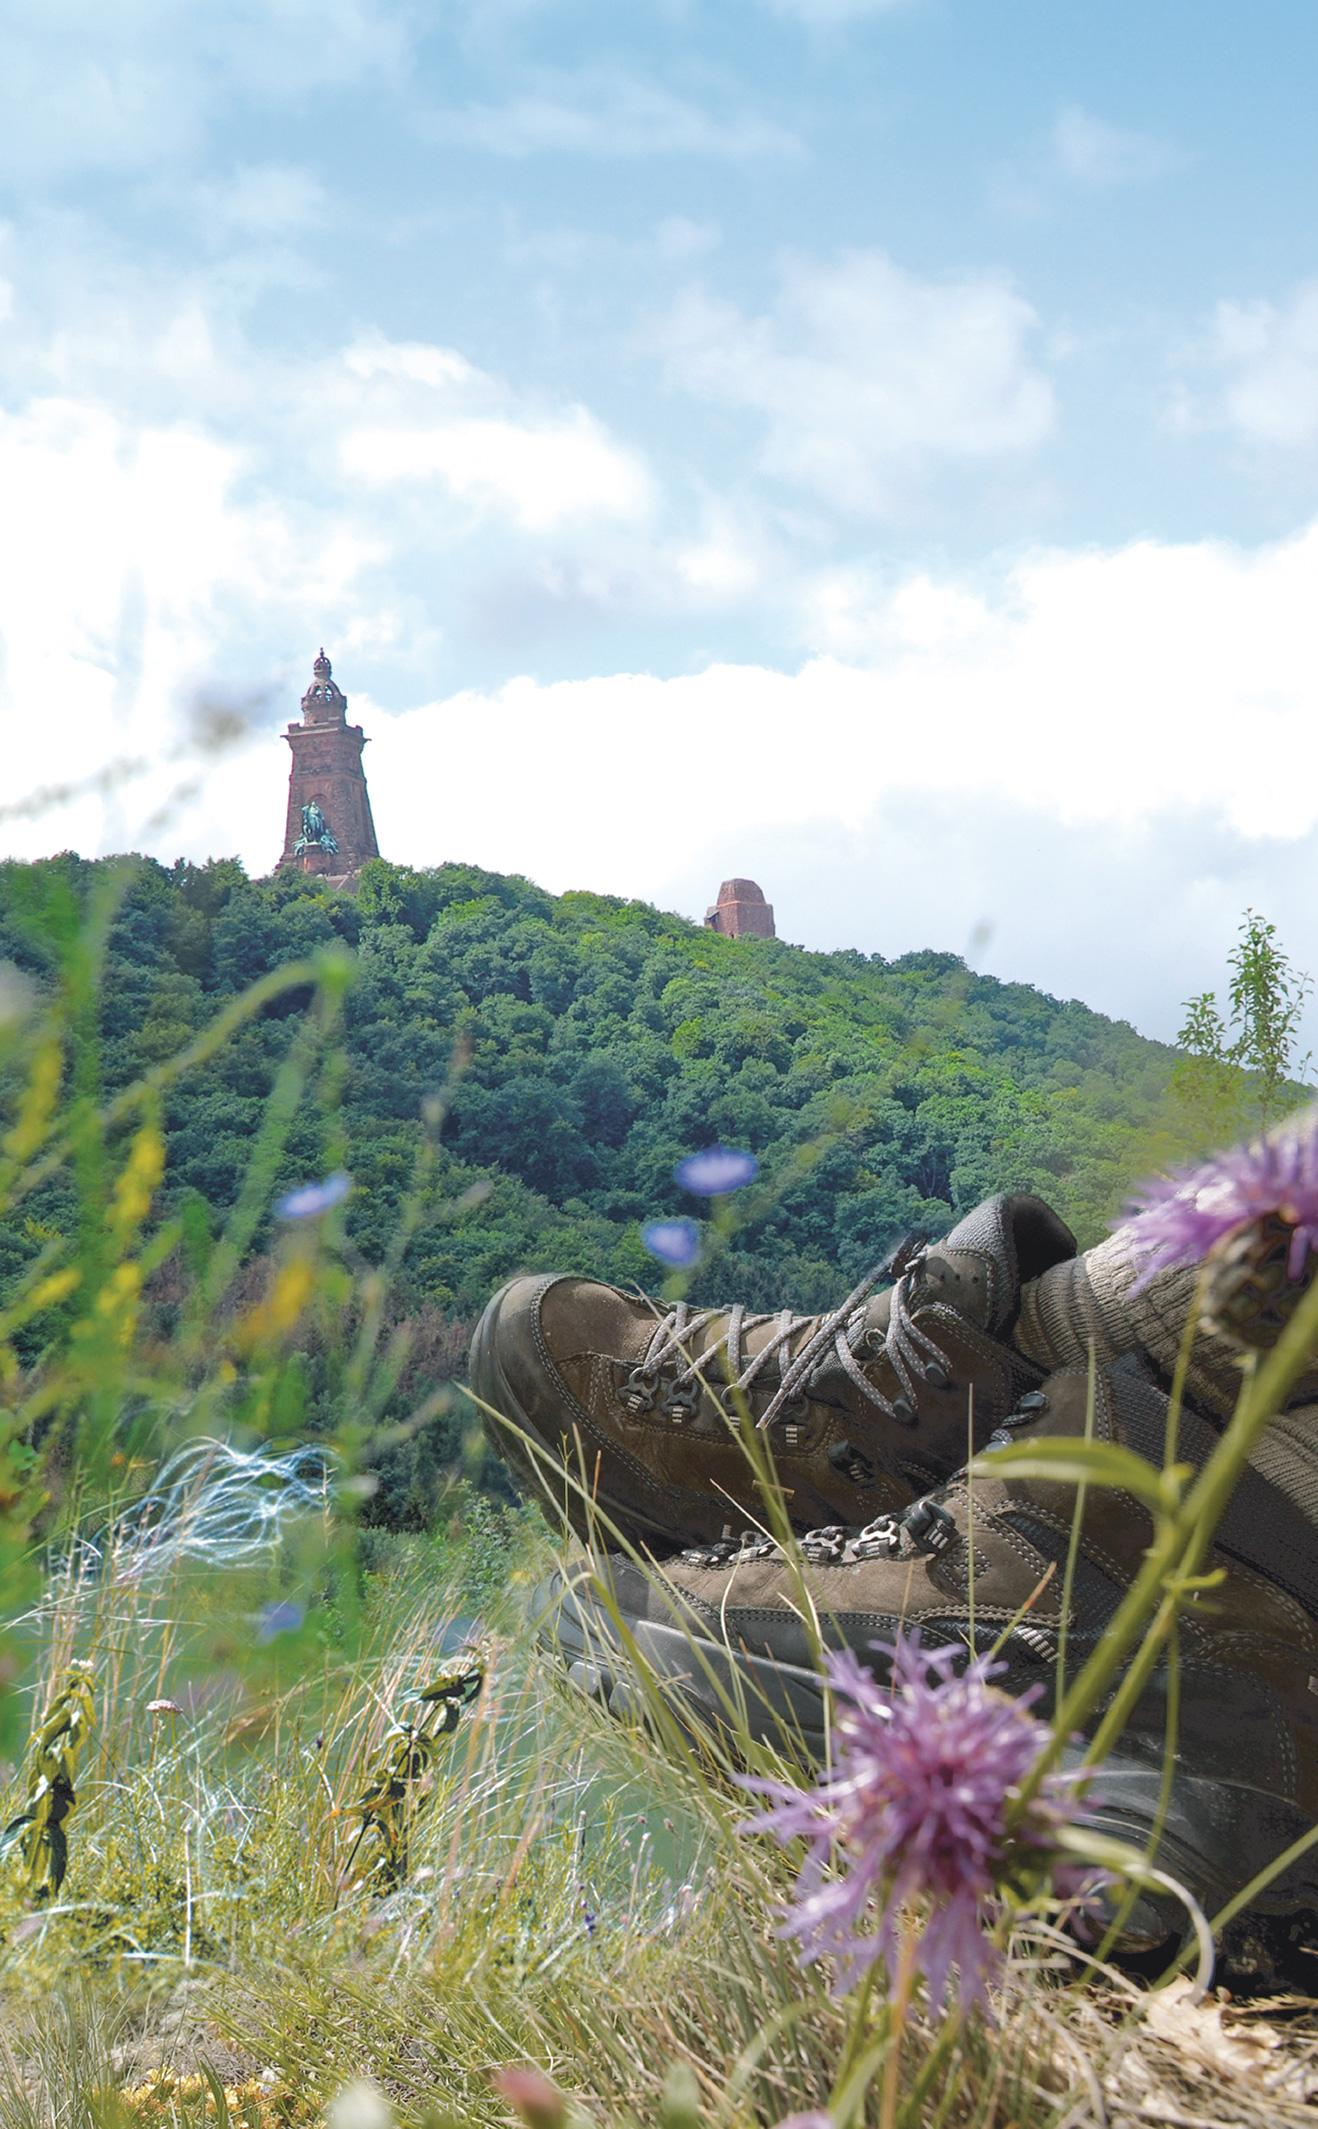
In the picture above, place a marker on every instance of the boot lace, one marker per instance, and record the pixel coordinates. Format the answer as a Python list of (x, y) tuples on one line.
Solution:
[(833, 1339)]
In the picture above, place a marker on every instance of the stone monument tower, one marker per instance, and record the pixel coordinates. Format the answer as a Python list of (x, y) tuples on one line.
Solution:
[(741, 912), (329, 828)]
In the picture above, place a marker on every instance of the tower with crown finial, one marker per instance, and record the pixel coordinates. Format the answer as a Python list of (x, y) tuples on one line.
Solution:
[(329, 828)]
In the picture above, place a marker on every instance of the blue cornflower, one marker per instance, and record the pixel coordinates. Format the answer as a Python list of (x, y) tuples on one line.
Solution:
[(311, 1198), (672, 1241), (716, 1170), (279, 1619)]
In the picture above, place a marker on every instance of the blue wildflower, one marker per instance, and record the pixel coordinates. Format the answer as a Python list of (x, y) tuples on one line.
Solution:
[(310, 1199), (716, 1170), (279, 1619), (672, 1241)]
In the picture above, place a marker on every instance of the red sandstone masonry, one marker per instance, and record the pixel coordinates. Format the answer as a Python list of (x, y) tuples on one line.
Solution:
[(327, 767), (741, 912)]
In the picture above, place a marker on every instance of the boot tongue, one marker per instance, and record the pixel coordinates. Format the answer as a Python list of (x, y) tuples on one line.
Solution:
[(980, 1267)]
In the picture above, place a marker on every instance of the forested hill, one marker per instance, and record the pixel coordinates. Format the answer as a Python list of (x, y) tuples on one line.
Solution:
[(599, 1041)]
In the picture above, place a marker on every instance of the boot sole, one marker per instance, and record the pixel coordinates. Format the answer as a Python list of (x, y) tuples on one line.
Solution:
[(1216, 1838), (781, 1705)]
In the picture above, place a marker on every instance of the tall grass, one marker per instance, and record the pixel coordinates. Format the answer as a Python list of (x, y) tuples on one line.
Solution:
[(575, 1898)]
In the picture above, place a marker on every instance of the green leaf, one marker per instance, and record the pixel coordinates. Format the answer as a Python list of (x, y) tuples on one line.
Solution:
[(216, 2090), (1077, 1463)]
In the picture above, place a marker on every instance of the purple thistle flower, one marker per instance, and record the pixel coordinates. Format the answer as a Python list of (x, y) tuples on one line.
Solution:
[(716, 1170), (916, 1796), (312, 1198), (1181, 1217), (672, 1241)]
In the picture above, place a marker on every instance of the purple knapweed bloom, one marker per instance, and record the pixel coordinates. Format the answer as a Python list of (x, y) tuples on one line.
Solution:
[(312, 1198), (916, 1797), (279, 1619), (672, 1241), (1180, 1218), (716, 1170)]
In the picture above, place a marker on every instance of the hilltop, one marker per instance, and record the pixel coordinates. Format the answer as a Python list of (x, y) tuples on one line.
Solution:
[(603, 1041), (586, 1045)]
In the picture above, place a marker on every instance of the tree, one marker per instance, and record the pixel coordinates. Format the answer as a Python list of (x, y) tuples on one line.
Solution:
[(1225, 1079)]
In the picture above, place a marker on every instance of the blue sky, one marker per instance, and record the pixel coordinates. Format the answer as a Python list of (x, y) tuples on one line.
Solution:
[(868, 447)]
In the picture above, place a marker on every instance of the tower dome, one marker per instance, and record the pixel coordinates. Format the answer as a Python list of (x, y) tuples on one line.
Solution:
[(324, 701)]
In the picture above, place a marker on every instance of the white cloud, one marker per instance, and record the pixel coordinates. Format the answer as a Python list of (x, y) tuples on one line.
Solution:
[(124, 557), (418, 361), (88, 87), (1097, 687), (1264, 358), (1107, 753), (1093, 152), (605, 113), (437, 417), (537, 475), (268, 200), (865, 371)]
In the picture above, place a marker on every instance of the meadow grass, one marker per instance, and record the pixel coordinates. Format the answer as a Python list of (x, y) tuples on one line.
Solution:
[(576, 1897)]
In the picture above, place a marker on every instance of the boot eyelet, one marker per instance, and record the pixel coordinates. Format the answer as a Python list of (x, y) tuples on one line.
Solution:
[(936, 1377), (930, 1527), (637, 1393), (679, 1403), (1033, 1401), (851, 1462), (903, 1411), (879, 1540), (876, 1340)]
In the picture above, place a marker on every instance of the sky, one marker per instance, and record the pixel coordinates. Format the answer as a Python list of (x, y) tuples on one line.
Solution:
[(872, 448)]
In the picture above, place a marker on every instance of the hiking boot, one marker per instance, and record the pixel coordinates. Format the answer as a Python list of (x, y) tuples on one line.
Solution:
[(726, 1626), (861, 1409)]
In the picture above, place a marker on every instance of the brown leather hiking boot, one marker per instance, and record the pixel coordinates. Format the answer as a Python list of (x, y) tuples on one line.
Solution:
[(861, 1408), (729, 1621)]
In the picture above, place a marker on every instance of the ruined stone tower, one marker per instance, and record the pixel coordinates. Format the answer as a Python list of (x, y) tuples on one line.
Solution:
[(329, 828), (741, 912)]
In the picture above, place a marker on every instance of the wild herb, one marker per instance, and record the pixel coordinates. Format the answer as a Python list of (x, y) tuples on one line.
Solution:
[(1242, 1065)]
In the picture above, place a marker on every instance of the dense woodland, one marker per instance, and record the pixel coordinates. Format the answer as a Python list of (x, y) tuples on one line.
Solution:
[(583, 1045)]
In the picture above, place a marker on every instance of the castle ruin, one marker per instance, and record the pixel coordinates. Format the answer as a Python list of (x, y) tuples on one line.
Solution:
[(741, 912)]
